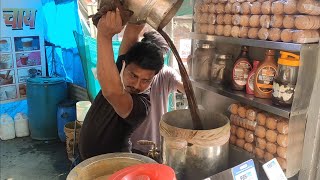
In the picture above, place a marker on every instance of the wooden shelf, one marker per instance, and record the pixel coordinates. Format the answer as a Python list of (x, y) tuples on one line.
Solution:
[(242, 97), (293, 47)]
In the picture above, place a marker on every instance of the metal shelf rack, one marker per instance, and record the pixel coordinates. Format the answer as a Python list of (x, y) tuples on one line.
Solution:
[(298, 151)]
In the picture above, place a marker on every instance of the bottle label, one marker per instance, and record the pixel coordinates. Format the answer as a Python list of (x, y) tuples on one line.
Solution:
[(251, 81), (240, 73), (283, 93), (265, 78)]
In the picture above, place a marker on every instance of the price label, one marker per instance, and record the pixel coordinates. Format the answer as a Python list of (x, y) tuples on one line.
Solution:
[(273, 170), (245, 171)]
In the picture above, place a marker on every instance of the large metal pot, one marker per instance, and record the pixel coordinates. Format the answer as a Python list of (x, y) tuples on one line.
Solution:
[(157, 13), (103, 166), (195, 154)]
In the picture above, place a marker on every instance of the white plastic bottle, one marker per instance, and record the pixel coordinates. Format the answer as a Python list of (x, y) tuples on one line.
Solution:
[(6, 127), (21, 125)]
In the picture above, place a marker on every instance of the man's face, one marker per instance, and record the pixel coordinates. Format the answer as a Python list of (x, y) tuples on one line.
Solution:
[(136, 79)]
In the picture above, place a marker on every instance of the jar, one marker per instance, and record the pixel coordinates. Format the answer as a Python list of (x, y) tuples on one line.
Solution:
[(221, 69), (202, 61), (286, 79)]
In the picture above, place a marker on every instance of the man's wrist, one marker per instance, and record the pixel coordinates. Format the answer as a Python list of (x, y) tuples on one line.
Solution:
[(104, 36)]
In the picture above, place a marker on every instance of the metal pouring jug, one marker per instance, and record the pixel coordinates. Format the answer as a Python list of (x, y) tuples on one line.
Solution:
[(157, 13)]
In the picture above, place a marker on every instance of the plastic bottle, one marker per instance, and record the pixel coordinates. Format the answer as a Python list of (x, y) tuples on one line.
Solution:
[(285, 82), (250, 80), (6, 127), (264, 76), (21, 125), (241, 70)]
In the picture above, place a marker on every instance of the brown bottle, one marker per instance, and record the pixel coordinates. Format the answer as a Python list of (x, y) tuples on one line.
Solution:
[(264, 76), (241, 69)]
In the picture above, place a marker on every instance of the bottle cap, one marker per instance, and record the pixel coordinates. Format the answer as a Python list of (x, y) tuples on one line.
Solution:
[(289, 59)]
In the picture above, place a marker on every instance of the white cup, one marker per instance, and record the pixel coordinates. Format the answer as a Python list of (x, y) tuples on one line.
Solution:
[(82, 108)]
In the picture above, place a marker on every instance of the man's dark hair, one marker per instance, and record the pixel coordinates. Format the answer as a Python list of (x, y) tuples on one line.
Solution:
[(146, 55), (156, 38)]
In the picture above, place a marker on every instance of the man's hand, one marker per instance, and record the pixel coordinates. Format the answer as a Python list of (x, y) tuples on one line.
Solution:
[(110, 24)]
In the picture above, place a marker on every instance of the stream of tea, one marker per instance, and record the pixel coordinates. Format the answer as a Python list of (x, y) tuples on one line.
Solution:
[(192, 103)]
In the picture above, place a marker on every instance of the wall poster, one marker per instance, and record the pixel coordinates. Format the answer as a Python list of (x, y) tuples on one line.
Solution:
[(22, 52)]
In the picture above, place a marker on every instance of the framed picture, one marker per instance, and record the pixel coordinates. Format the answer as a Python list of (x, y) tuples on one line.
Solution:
[(5, 44), (25, 73), (28, 59), (27, 43), (6, 61), (22, 90), (7, 77), (8, 93)]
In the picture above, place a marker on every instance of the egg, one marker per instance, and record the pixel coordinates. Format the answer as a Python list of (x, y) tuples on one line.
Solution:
[(259, 153), (265, 21), (219, 30), (227, 30), (204, 18), (233, 108), (235, 31), (240, 133), (211, 29), (255, 8), (261, 119), (266, 7), (283, 127), (204, 8), (244, 34), (261, 143), (227, 19), (248, 147), (236, 7), (288, 22), (271, 122), (240, 143), (245, 8), (267, 156), (282, 140), (228, 8), (249, 137), (203, 28), (253, 33), (242, 110), (254, 21), (244, 20), (212, 19), (251, 114), (212, 8), (286, 36), (220, 8), (233, 129), (277, 7), (276, 21), (233, 139), (260, 132), (290, 7), (263, 34), (236, 19), (220, 19), (282, 152), (271, 148), (271, 136)]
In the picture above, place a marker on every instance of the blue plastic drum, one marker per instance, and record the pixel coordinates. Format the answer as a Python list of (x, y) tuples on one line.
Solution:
[(66, 113), (43, 97)]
